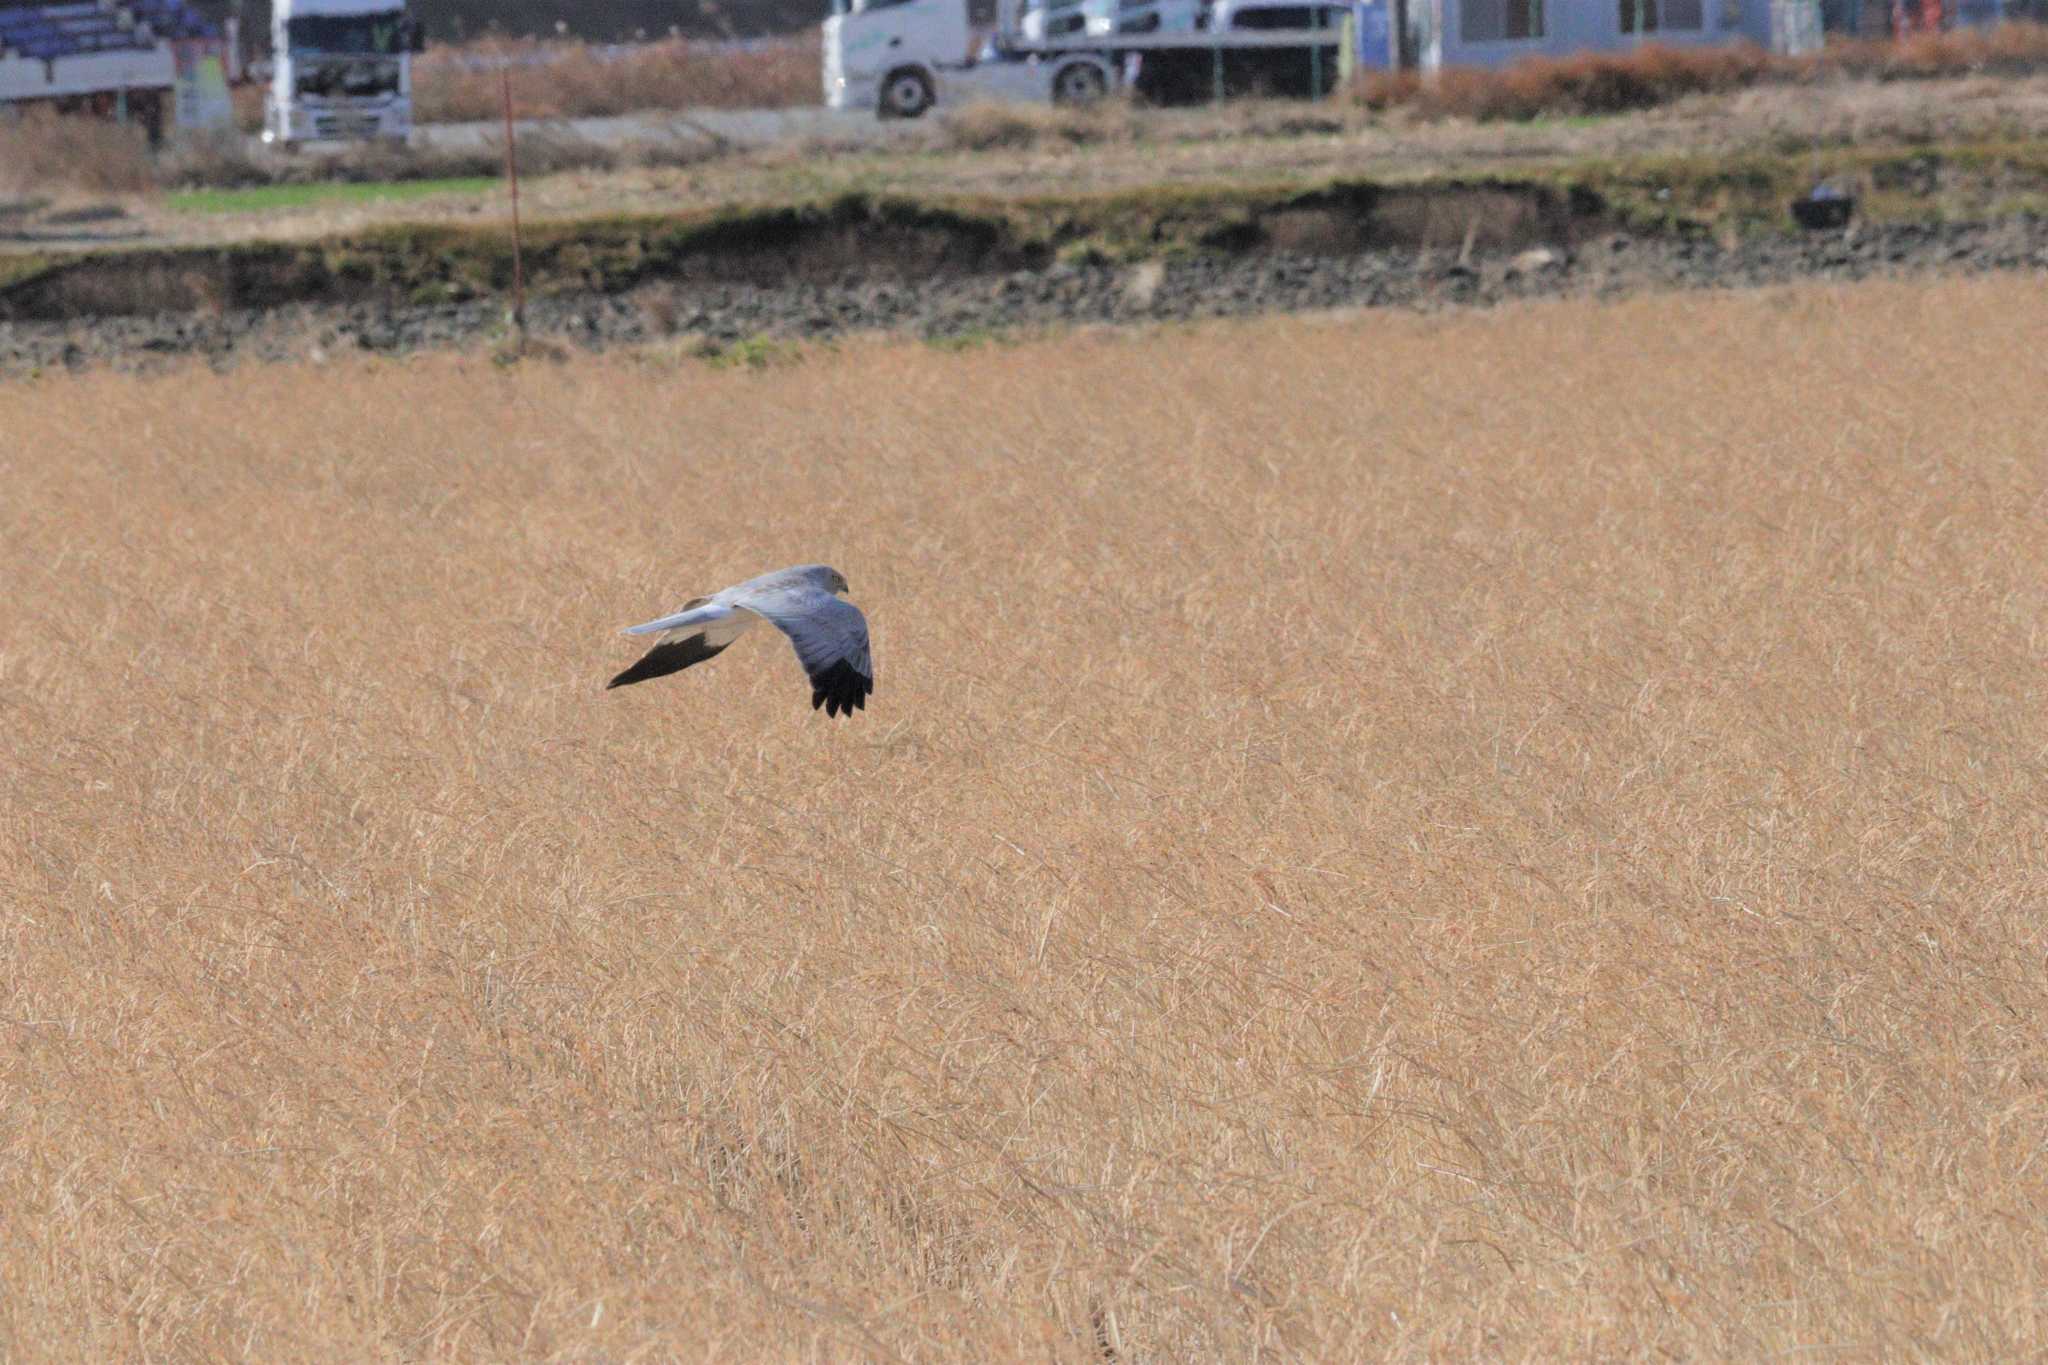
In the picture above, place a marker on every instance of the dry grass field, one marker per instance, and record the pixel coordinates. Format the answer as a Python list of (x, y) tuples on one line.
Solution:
[(1513, 835)]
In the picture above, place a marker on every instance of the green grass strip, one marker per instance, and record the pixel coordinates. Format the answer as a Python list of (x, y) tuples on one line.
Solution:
[(261, 197)]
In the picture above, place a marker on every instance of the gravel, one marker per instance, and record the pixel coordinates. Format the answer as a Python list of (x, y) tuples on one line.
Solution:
[(714, 317)]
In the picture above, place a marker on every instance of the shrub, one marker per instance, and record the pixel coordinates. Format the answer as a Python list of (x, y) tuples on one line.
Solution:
[(41, 149), (575, 80), (1642, 78), (990, 125)]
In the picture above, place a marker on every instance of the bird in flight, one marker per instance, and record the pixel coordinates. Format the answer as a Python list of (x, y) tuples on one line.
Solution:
[(830, 634)]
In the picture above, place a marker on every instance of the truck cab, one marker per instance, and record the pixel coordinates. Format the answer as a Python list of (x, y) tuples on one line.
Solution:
[(899, 57), (341, 72), (890, 55)]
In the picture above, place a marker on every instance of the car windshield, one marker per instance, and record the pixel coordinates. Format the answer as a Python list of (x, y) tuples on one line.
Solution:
[(353, 35)]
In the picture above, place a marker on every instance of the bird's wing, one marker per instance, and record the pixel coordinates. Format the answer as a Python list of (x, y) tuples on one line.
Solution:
[(690, 613), (690, 636), (831, 639)]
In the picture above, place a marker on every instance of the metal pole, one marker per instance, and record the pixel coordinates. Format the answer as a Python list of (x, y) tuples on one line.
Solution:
[(512, 177)]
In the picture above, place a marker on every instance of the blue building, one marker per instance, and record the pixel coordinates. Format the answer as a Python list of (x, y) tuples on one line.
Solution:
[(1490, 33), (1430, 35), (156, 62)]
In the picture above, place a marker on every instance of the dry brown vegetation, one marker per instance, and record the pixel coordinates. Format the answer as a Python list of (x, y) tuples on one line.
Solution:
[(1519, 836), (1583, 83), (41, 150), (90, 156), (1657, 74), (1020, 148), (996, 125), (574, 80)]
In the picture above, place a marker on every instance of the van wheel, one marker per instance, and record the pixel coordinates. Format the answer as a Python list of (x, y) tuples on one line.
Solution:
[(1081, 83), (906, 94)]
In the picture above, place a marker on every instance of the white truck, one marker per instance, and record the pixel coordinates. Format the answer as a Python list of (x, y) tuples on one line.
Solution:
[(341, 72), (900, 57)]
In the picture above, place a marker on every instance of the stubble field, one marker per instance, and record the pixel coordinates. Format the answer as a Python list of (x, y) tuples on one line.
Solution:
[(1508, 835)]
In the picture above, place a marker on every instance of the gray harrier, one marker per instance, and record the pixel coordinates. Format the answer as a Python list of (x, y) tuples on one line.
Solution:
[(830, 635)]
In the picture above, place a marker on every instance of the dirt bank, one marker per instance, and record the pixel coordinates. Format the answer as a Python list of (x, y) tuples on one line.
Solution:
[(851, 238), (722, 313)]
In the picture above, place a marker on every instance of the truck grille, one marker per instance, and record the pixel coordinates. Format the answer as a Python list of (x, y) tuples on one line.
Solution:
[(338, 126)]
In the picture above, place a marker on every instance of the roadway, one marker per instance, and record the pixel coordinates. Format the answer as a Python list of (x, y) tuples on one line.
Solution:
[(744, 128)]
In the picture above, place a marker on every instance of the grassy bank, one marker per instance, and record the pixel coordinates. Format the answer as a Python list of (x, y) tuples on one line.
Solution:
[(907, 238)]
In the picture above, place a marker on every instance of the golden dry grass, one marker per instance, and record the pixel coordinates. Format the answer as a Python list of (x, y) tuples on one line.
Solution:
[(573, 80), (1607, 82), (1521, 835), (41, 150)]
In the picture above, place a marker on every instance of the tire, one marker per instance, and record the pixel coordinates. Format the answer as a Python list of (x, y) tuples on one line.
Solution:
[(1080, 83), (906, 94)]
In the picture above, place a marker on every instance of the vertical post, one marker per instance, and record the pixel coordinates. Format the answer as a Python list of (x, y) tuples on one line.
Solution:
[(1315, 53), (512, 177)]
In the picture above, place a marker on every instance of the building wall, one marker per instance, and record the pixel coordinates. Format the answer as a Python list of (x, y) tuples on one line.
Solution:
[(1468, 32), (27, 78)]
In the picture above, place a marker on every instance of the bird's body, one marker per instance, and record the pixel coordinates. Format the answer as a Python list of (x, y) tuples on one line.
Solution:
[(830, 634)]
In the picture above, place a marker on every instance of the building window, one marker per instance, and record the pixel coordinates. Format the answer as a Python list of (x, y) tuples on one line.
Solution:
[(1496, 21), (1654, 16)]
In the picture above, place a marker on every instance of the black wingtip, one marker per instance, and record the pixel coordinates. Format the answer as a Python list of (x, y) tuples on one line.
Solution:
[(841, 689)]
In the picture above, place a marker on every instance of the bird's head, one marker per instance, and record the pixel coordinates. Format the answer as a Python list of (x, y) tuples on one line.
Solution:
[(834, 580)]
